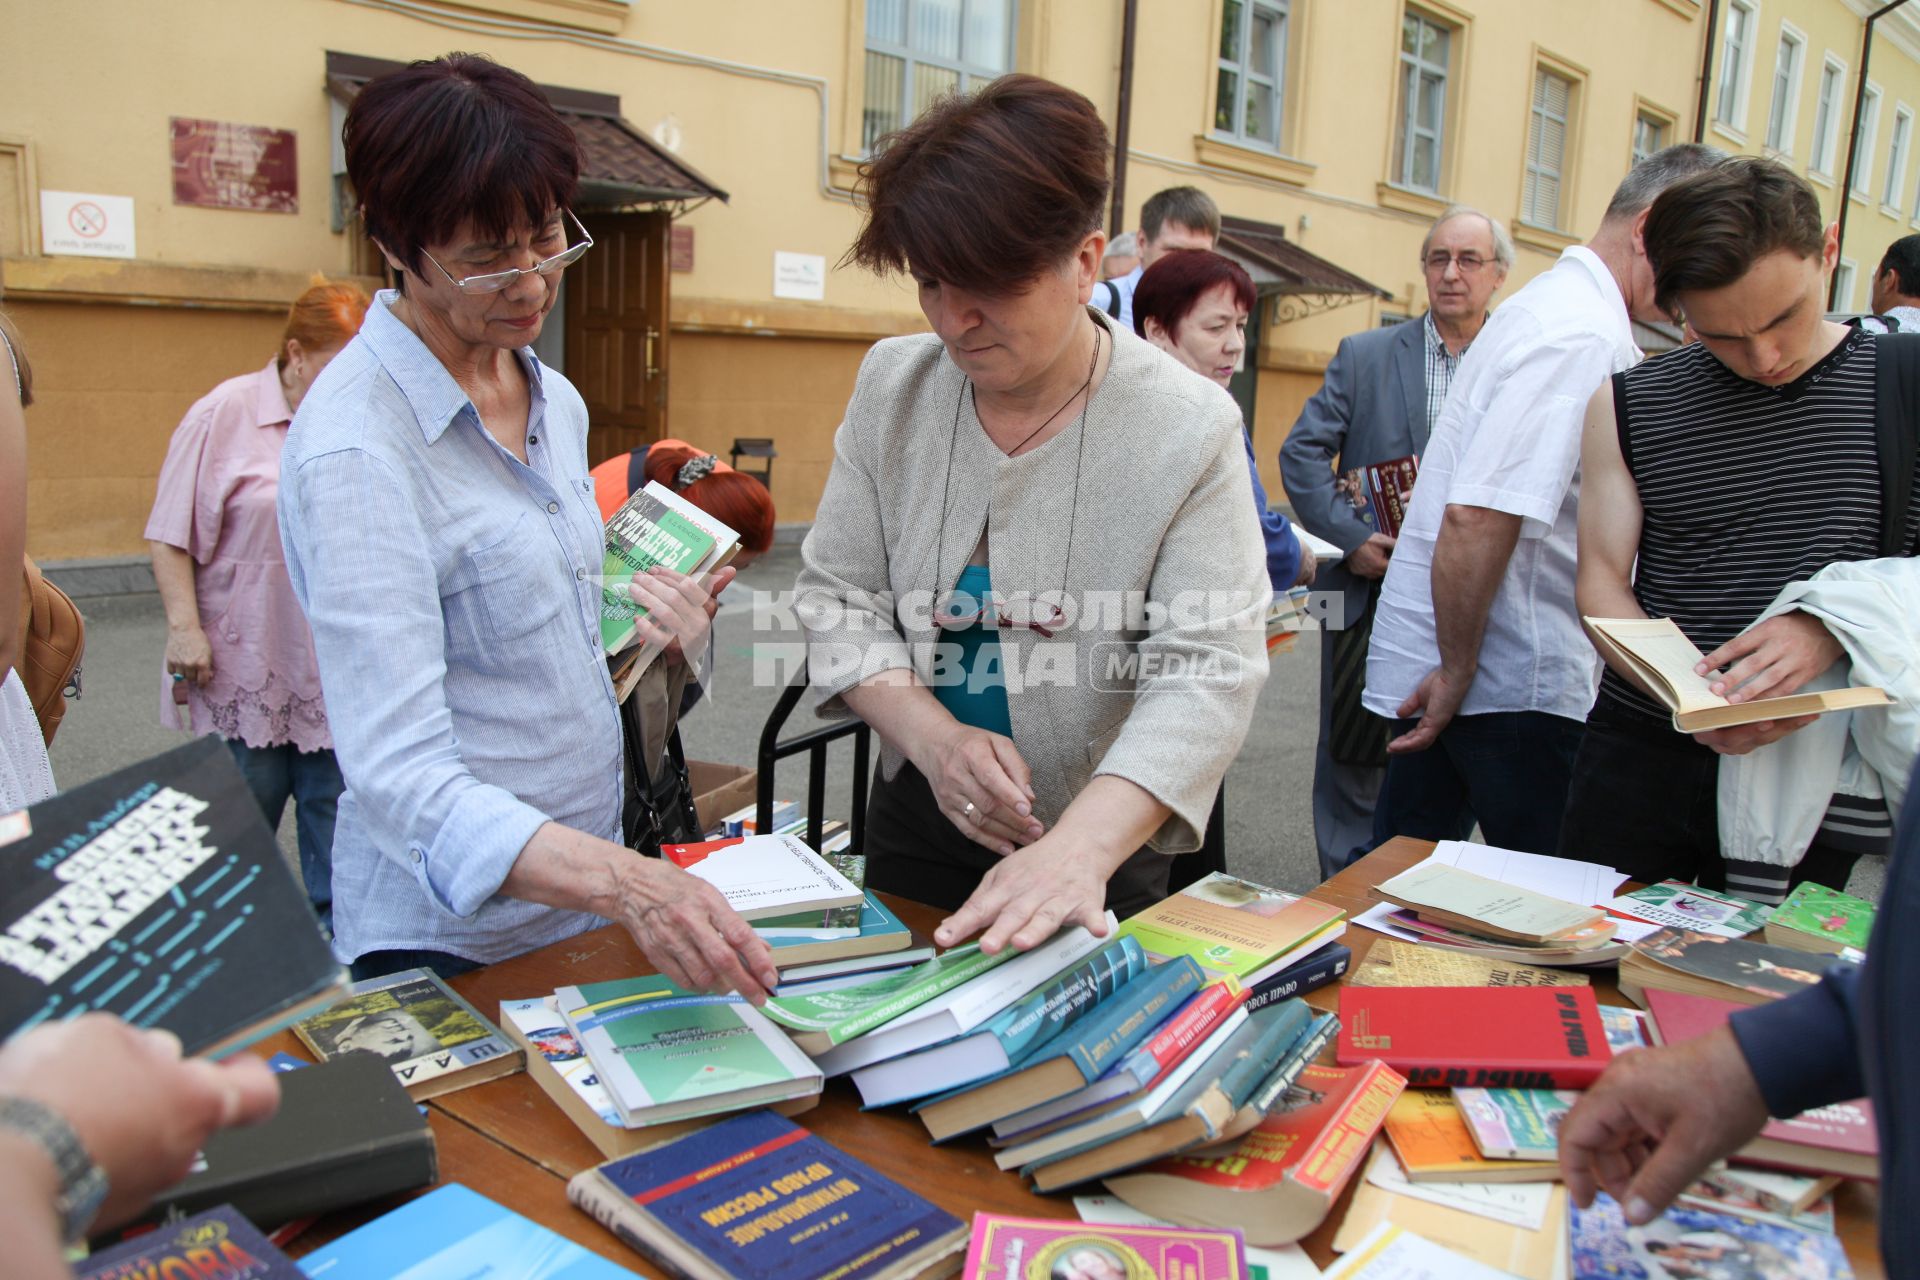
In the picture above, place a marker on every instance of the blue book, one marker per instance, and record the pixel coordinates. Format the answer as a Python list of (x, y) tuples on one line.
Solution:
[(1308, 973), (1068, 1061), (456, 1234), (803, 939), (756, 1197), (1020, 1029)]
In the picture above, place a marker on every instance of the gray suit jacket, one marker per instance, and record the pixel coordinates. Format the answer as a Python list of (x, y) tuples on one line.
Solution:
[(1372, 407)]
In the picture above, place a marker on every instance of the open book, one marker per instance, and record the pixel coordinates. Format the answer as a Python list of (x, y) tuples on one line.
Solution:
[(1659, 654)]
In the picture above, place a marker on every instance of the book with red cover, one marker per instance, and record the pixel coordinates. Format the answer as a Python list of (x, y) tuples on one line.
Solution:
[(1381, 491), (1278, 1182), (1477, 1037), (1840, 1138), (686, 855)]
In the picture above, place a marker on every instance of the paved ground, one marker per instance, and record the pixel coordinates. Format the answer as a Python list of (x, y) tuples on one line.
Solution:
[(1269, 818)]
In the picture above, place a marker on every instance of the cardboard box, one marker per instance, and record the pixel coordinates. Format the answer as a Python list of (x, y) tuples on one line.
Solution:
[(719, 789)]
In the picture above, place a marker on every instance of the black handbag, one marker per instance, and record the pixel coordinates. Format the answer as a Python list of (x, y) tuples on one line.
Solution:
[(655, 810)]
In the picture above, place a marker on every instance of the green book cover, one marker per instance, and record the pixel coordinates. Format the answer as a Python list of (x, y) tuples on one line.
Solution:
[(853, 1011), (653, 1043), (1826, 913), (874, 920), (643, 533), (1687, 906), (1516, 1124), (1229, 925)]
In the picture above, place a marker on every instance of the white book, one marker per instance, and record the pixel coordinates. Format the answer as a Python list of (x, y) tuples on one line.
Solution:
[(1142, 1110), (866, 967), (775, 876), (968, 1005)]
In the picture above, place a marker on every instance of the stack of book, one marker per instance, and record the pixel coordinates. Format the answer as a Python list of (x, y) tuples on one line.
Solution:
[(1450, 907), (1736, 969)]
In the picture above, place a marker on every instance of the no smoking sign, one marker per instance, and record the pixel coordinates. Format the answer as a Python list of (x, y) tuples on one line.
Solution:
[(86, 224)]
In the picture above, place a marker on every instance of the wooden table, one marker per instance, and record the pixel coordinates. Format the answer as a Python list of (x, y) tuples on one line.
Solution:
[(508, 1141)]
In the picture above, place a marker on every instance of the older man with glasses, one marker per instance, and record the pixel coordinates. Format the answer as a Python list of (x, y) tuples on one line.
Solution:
[(1380, 398), (441, 533)]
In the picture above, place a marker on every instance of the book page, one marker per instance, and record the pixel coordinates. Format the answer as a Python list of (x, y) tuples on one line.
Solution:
[(1668, 655)]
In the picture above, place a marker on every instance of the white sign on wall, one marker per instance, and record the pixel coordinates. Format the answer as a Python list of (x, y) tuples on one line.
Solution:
[(90, 226), (799, 275)]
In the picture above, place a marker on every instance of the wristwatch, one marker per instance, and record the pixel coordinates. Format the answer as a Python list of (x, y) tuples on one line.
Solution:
[(83, 1184)]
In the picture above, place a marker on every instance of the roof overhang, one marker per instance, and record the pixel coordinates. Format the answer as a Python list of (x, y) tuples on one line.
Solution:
[(1305, 282)]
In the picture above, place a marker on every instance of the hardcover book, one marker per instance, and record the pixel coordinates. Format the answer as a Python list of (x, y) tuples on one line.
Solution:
[(1816, 918), (763, 876), (1309, 973), (1516, 1124), (1430, 1136), (1516, 1037), (1281, 1179), (1736, 969), (877, 931), (158, 894), (1659, 653), (1005, 1248), (219, 1242), (1379, 493), (1392, 963), (455, 1233), (1689, 1242), (345, 1133), (1233, 926), (654, 528), (434, 1041), (820, 1021), (756, 1197), (664, 1053), (1022, 1028), (1674, 904)]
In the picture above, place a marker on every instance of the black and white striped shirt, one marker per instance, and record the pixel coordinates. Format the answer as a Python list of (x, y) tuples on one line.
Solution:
[(1744, 488)]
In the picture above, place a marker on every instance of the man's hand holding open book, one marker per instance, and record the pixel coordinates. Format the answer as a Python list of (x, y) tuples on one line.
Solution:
[(1771, 660)]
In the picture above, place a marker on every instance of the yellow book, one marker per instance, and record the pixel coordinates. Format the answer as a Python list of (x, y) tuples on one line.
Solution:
[(1392, 963), (1431, 1137)]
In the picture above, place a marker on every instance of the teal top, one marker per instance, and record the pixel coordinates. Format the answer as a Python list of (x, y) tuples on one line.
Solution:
[(980, 698)]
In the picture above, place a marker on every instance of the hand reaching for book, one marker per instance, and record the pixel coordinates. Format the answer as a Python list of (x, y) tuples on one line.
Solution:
[(679, 609), (1656, 1119)]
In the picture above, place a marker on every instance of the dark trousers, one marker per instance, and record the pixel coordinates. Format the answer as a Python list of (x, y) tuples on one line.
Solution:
[(378, 964), (1645, 801), (311, 779), (914, 851), (1505, 770)]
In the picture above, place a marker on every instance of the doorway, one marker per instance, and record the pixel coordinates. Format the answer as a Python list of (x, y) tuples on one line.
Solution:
[(615, 305)]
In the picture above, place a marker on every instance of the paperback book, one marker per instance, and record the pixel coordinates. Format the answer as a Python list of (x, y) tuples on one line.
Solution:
[(1816, 918), (1441, 894), (654, 528), (1005, 1248), (218, 1243), (1234, 927), (1393, 963), (455, 1233), (1691, 1242), (158, 894), (1674, 904), (756, 1197), (1431, 1137), (1736, 969), (820, 1021), (763, 876), (434, 1041), (802, 942), (1516, 1124), (1380, 492), (1309, 973)]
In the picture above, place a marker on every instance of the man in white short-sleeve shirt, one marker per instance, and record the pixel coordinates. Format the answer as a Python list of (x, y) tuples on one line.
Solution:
[(1477, 650)]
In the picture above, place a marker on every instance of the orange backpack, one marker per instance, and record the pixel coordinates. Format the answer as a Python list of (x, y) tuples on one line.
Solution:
[(53, 636)]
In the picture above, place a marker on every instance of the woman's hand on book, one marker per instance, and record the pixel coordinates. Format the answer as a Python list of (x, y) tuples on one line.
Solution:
[(1032, 893), (679, 609), (1771, 660), (690, 934), (1656, 1119)]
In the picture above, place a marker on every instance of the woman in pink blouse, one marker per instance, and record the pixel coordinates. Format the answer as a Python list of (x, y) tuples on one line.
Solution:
[(237, 642)]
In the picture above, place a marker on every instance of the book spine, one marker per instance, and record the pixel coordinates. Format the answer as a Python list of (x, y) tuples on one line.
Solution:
[(1045, 1013), (1186, 1028), (881, 1014), (1267, 1095), (1287, 984), (1093, 1057), (1456, 1076), (610, 1209), (1336, 1151)]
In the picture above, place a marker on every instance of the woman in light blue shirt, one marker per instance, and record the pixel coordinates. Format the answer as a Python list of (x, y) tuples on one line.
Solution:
[(441, 532)]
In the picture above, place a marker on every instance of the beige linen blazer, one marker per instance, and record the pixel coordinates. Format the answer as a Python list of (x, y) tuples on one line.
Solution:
[(1155, 676)]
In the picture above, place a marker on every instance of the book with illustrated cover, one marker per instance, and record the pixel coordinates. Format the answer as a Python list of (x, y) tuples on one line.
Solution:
[(1737, 969), (820, 1021), (218, 1242), (1484, 1037), (664, 1053), (1659, 654), (1515, 1124), (1005, 1248), (158, 894), (1676, 905), (1429, 1134), (876, 931), (654, 528), (1692, 1242), (1816, 918), (1234, 926), (455, 1233), (756, 1197), (1393, 963), (1782, 1193), (1717, 1193), (1380, 492), (434, 1041)]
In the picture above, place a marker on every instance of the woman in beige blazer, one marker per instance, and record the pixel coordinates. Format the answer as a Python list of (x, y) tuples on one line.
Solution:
[(1035, 570)]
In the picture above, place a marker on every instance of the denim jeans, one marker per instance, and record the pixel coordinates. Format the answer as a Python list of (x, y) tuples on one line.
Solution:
[(1506, 770), (311, 779)]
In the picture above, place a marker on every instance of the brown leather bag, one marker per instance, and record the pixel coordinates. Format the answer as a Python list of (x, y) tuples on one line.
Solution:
[(53, 637)]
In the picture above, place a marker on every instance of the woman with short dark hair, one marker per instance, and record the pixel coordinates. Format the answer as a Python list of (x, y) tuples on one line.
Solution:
[(1034, 570), (441, 532)]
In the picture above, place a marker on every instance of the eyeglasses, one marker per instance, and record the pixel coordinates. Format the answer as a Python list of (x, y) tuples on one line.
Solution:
[(960, 611), (495, 281), (1467, 262)]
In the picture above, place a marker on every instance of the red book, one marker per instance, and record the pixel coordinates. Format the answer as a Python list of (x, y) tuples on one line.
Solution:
[(1477, 1037), (1840, 1138)]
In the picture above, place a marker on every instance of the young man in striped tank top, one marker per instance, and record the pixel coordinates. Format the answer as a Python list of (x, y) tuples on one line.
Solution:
[(1713, 477)]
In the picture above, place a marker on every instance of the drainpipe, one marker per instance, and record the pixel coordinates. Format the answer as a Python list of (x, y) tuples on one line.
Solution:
[(1706, 73), (1128, 23), (1853, 137)]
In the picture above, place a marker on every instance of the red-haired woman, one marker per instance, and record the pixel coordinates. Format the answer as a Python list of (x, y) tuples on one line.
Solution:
[(237, 644), (732, 497)]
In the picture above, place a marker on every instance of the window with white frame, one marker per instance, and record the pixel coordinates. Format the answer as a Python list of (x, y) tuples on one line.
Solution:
[(1736, 64), (1426, 49), (1863, 141), (1897, 155), (920, 50), (1540, 195), (1784, 101), (1250, 93), (1649, 135), (1843, 291), (1826, 116)]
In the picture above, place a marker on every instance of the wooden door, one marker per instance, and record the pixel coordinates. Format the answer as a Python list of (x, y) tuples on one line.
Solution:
[(616, 316)]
